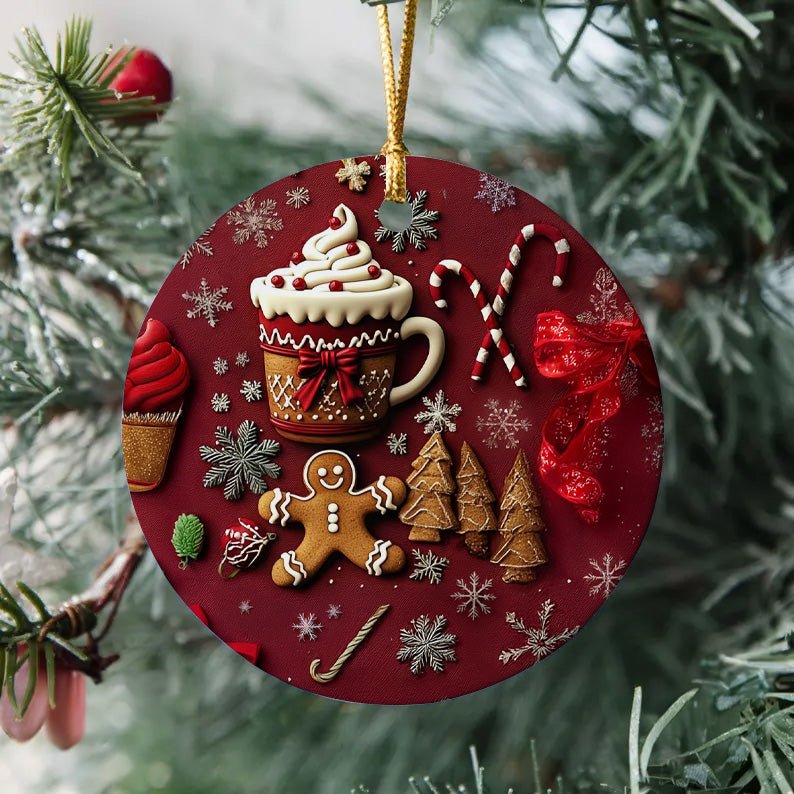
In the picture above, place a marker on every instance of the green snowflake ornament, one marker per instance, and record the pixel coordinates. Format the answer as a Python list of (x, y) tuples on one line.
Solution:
[(188, 538)]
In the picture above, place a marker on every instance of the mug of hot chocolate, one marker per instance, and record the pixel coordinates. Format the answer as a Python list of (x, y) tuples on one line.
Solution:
[(330, 328)]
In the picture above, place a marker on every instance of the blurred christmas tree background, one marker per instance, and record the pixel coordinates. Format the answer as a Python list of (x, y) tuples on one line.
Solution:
[(663, 131)]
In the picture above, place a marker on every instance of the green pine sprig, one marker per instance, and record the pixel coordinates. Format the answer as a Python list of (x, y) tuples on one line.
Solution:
[(24, 640), (187, 538), (61, 104)]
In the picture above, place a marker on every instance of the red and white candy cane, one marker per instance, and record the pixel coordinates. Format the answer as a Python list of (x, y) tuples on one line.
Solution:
[(495, 332), (492, 313), (528, 232)]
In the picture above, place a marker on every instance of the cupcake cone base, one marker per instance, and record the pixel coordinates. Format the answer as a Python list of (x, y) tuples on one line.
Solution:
[(146, 444)]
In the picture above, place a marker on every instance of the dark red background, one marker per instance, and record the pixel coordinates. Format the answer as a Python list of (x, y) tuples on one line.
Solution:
[(468, 231)]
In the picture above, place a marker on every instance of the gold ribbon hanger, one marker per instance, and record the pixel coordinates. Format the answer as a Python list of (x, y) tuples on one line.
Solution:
[(396, 91)]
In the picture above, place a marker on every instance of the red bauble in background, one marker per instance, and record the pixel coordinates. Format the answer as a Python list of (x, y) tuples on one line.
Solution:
[(146, 76)]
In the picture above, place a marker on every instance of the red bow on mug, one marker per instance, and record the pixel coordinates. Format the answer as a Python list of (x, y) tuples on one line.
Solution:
[(594, 358), (314, 367)]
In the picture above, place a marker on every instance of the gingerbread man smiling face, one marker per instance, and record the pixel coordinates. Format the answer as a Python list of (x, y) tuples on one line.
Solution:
[(333, 516), (324, 473)]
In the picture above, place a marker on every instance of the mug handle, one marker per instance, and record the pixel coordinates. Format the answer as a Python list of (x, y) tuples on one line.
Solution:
[(435, 356)]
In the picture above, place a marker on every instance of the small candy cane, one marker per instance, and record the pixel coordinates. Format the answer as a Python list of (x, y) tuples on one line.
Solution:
[(363, 632), (495, 332)]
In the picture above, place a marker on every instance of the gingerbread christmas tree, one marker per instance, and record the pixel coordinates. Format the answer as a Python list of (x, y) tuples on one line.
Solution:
[(520, 525), (428, 508), (475, 503)]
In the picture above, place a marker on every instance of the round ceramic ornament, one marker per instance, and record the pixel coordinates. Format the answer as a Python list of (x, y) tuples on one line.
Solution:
[(422, 459)]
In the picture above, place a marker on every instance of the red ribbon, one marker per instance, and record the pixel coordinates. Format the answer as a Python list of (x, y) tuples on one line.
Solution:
[(314, 367), (594, 358), (248, 650)]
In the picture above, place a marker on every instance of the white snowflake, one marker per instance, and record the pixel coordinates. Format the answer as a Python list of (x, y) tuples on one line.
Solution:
[(653, 432), (354, 174), (237, 463), (202, 247), (221, 366), (501, 425), (298, 197), (426, 644), (245, 607), (419, 230), (242, 359), (439, 414), (207, 302), (605, 575), (428, 565), (251, 390), (307, 626), (254, 222), (474, 596), (540, 641), (495, 192), (220, 403), (397, 443), (334, 611), (604, 300)]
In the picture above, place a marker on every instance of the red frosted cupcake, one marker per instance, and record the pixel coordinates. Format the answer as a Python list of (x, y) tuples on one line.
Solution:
[(157, 380)]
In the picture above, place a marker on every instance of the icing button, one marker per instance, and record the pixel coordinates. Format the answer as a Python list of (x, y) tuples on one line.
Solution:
[(333, 507)]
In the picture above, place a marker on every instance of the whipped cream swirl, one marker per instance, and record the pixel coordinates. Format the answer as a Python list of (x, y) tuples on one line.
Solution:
[(337, 280)]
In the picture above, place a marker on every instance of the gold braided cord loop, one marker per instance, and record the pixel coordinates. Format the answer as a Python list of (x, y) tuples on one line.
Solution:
[(396, 91)]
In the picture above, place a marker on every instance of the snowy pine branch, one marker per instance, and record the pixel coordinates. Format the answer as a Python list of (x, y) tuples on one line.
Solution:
[(58, 105), (704, 82), (74, 274)]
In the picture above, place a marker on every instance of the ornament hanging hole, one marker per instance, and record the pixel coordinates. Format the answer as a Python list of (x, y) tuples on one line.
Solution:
[(395, 216)]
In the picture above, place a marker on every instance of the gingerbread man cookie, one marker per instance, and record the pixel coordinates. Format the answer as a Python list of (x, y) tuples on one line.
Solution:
[(333, 516)]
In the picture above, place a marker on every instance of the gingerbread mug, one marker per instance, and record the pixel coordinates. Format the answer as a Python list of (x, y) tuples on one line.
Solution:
[(330, 327)]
